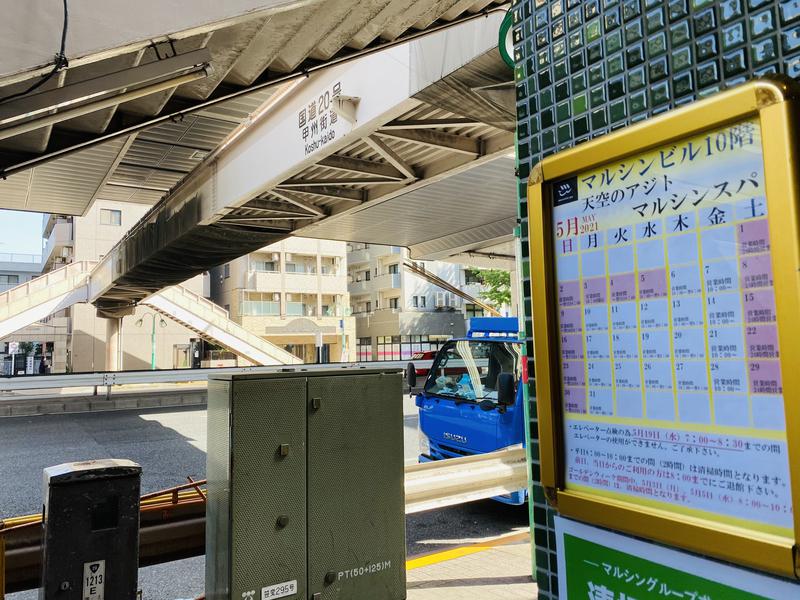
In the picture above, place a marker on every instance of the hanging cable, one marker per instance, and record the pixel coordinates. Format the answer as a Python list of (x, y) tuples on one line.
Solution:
[(61, 62)]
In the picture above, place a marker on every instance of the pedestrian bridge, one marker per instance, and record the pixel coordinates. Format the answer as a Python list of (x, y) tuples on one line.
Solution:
[(56, 290), (373, 133), (401, 147)]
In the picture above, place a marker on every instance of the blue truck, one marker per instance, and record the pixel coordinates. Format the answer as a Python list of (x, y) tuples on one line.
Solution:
[(472, 400)]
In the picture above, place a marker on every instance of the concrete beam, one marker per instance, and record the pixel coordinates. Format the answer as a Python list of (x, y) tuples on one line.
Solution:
[(331, 192), (430, 123), (270, 206), (364, 167), (299, 202), (295, 183), (435, 139), (391, 156)]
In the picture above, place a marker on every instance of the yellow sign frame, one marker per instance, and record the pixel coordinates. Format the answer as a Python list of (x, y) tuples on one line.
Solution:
[(775, 103)]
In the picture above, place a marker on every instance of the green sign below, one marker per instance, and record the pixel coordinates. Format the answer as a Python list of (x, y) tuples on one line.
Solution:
[(595, 564)]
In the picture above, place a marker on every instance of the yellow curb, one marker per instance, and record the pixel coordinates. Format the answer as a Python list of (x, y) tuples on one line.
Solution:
[(433, 558)]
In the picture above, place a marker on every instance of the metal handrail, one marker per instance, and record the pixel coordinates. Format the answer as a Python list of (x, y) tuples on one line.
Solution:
[(51, 284), (114, 378), (221, 319)]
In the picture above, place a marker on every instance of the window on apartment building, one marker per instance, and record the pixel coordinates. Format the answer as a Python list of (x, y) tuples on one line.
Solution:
[(260, 304), (472, 276), (473, 310), (331, 306), (228, 307), (301, 305), (422, 301), (369, 306), (110, 216), (328, 265), (12, 279), (301, 267), (265, 266), (394, 303), (393, 269), (415, 301), (226, 270)]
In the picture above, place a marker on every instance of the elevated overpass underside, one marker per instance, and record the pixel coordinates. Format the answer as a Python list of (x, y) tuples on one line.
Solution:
[(235, 151), (145, 89), (414, 151)]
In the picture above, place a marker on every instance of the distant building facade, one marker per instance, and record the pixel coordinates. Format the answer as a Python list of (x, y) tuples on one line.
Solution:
[(293, 294), (399, 313)]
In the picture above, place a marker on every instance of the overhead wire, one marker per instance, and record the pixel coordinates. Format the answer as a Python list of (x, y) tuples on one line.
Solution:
[(60, 63)]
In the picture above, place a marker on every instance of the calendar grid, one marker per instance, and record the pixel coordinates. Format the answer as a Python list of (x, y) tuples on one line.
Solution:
[(668, 336)]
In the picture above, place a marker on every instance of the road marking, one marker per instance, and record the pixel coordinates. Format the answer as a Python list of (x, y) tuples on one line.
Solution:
[(424, 560)]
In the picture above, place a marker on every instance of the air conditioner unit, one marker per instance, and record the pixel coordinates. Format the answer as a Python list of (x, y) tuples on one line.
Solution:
[(288, 257), (276, 257), (65, 252), (276, 297)]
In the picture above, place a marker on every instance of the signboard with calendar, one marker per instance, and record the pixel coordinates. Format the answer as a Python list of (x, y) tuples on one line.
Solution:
[(665, 349), (670, 369)]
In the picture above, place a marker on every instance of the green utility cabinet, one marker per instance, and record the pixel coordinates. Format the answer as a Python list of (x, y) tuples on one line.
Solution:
[(305, 486)]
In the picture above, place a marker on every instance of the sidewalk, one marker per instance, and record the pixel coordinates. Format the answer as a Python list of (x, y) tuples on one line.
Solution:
[(492, 570)]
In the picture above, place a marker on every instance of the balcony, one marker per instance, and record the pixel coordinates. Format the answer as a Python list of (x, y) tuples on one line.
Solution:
[(58, 248), (264, 281), (360, 287), (388, 281), (365, 255)]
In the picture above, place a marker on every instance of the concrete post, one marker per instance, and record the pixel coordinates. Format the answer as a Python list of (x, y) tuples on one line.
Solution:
[(114, 344)]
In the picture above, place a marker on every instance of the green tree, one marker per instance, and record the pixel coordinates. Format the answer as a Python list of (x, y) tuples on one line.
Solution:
[(26, 347), (498, 284)]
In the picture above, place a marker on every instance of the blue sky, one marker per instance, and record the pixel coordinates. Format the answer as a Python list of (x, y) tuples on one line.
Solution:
[(20, 232)]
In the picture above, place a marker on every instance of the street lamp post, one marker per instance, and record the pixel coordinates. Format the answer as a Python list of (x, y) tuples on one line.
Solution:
[(162, 323)]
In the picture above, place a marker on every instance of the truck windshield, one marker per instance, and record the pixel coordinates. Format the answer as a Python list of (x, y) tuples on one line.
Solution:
[(467, 370)]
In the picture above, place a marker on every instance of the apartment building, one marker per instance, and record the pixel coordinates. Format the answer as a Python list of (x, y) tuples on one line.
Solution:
[(294, 294), (399, 313), (77, 334), (18, 268)]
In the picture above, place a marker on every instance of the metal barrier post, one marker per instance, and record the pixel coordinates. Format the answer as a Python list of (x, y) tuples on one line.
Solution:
[(90, 538)]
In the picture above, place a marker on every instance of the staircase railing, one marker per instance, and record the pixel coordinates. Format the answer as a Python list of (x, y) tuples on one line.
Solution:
[(43, 288), (219, 317)]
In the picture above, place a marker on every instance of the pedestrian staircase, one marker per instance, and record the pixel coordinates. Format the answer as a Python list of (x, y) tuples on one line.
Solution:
[(213, 323), (58, 289), (34, 300)]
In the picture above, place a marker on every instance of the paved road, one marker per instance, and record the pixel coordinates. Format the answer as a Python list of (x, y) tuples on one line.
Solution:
[(170, 444)]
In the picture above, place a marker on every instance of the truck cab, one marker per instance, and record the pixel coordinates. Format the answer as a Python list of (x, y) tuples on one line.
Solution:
[(472, 400)]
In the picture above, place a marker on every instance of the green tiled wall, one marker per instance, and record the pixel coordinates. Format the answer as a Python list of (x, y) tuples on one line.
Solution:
[(585, 68)]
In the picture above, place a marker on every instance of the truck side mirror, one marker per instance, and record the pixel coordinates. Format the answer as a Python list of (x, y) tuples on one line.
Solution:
[(506, 394), (411, 375)]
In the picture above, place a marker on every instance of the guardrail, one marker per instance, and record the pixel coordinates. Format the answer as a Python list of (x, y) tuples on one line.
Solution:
[(172, 525), (112, 378)]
